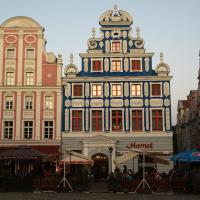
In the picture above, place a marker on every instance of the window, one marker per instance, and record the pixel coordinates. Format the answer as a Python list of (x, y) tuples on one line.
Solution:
[(77, 90), (97, 120), (77, 120), (157, 120), (136, 90), (96, 65), (48, 102), (116, 47), (9, 103), (10, 53), (137, 120), (28, 129), (30, 54), (28, 103), (29, 78), (96, 90), (116, 120), (8, 129), (10, 77), (116, 89), (156, 89), (136, 65), (116, 65), (48, 129)]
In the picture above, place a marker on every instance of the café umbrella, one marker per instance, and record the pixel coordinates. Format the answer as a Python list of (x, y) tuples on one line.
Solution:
[(187, 156)]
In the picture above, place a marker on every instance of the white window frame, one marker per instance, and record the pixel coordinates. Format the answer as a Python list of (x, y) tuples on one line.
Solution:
[(46, 103), (112, 89), (26, 53), (122, 109), (141, 89), (162, 119), (161, 90), (131, 64), (91, 119), (48, 120), (28, 120), (3, 131), (97, 59), (9, 96), (73, 90), (101, 84), (31, 81), (7, 53), (82, 119), (26, 96), (131, 115), (11, 79), (116, 59), (111, 49)]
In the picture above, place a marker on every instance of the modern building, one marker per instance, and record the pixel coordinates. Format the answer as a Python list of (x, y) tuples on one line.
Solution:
[(117, 102), (30, 87)]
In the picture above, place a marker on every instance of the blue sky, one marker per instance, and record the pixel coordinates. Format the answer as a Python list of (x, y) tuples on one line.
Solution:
[(171, 26)]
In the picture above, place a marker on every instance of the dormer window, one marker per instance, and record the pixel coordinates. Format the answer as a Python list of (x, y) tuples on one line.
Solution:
[(97, 65), (136, 65), (116, 65), (116, 46)]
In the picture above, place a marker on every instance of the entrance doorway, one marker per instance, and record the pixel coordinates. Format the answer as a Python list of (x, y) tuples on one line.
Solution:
[(100, 166)]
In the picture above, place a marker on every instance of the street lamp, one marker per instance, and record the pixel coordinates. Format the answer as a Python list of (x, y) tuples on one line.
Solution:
[(110, 151)]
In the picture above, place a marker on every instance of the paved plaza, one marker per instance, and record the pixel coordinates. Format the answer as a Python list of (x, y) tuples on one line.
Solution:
[(95, 196)]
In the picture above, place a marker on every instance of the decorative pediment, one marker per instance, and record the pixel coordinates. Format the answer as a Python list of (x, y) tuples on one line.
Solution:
[(162, 68), (71, 70), (100, 139)]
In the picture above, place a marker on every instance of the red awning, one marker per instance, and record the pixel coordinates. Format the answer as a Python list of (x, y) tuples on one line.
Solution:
[(47, 149)]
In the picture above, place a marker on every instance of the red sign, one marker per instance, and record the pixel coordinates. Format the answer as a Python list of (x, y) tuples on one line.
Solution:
[(140, 145), (196, 154)]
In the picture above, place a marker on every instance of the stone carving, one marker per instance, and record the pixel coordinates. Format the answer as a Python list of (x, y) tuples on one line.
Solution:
[(124, 46), (166, 102), (50, 57), (67, 103), (126, 89), (96, 103), (167, 119), (147, 118), (126, 102), (92, 44), (86, 119), (146, 102), (8, 114), (107, 34), (124, 34), (116, 34), (101, 35), (107, 119), (85, 64), (136, 102), (126, 65), (107, 43), (87, 103), (48, 114), (129, 35), (28, 114), (127, 118), (130, 43), (10, 39), (87, 90), (146, 60), (106, 102), (166, 89), (139, 43), (101, 44), (146, 89), (67, 90), (67, 119), (77, 103), (106, 63), (30, 39), (106, 87), (156, 102), (116, 102)]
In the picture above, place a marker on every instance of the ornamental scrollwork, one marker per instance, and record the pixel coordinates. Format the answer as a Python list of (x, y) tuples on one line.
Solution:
[(139, 43), (92, 44)]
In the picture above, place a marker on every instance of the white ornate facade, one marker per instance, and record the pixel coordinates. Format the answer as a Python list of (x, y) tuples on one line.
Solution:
[(117, 98)]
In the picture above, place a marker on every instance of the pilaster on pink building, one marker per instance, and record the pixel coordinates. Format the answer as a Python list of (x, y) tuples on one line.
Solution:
[(30, 87)]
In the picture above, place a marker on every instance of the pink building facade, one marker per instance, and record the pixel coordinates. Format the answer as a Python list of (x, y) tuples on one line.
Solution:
[(30, 87)]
